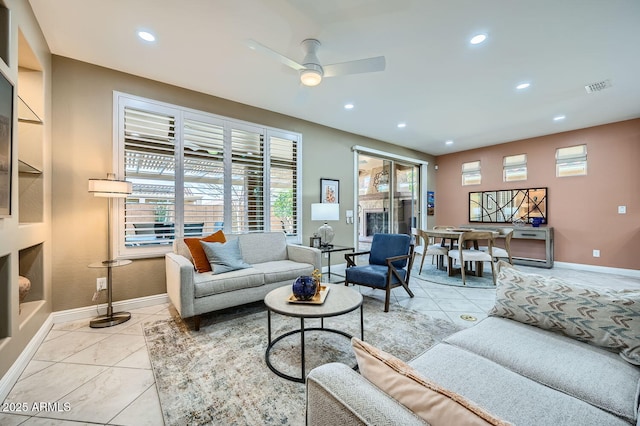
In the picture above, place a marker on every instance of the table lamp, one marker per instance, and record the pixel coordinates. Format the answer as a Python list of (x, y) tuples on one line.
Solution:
[(325, 212), (109, 188)]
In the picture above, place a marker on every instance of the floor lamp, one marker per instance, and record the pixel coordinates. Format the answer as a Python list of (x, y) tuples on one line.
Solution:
[(109, 188)]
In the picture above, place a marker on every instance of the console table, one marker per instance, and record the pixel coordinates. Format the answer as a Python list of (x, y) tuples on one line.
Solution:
[(530, 233), (542, 233)]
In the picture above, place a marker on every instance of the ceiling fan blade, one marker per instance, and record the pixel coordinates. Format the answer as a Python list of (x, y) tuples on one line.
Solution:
[(355, 67), (254, 45)]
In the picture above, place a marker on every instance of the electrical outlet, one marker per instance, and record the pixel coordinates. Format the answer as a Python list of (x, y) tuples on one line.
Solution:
[(101, 283), (596, 253)]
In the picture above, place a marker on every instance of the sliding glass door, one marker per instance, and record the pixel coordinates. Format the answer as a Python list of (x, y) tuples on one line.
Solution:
[(388, 197)]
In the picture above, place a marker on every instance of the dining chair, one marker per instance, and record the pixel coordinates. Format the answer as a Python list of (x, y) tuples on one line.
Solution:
[(420, 245), (390, 262), (499, 252), (463, 254), (433, 249)]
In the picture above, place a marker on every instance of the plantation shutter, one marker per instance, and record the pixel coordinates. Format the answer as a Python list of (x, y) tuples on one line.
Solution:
[(149, 157), (283, 178), (247, 180), (203, 171)]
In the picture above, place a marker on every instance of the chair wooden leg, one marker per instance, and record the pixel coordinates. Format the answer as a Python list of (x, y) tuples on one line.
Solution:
[(386, 299), (462, 268), (422, 262), (196, 322), (493, 272)]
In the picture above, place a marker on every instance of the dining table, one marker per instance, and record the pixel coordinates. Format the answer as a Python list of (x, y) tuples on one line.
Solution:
[(449, 236)]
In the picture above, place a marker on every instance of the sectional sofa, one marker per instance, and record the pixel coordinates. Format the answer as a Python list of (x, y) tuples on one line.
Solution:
[(549, 353)]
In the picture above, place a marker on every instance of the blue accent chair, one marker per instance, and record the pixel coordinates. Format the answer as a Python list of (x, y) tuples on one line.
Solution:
[(390, 262)]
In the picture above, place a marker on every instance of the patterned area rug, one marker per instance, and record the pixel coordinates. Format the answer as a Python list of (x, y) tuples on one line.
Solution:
[(219, 376), (432, 274)]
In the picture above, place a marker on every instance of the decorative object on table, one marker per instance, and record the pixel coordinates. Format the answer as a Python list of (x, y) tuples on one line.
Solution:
[(329, 191), (536, 222), (519, 222), (24, 286), (110, 188), (305, 287), (325, 212), (6, 133), (317, 275), (315, 241), (317, 299)]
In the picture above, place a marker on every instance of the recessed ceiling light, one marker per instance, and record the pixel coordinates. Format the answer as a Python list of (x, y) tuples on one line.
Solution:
[(477, 39), (449, 142), (523, 86), (348, 106), (402, 125), (559, 118), (146, 36)]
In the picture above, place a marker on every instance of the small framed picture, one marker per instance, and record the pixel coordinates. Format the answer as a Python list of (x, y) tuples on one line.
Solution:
[(329, 191), (314, 242)]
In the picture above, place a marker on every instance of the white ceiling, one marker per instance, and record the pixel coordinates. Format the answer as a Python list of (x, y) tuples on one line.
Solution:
[(435, 80)]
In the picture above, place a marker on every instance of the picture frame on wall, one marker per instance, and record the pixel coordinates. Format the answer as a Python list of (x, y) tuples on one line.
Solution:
[(6, 136), (329, 191)]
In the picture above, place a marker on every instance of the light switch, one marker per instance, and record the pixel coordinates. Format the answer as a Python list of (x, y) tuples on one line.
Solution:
[(622, 209)]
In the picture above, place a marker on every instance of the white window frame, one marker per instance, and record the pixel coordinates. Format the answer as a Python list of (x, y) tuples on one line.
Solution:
[(571, 161), (471, 173), (514, 168), (120, 100)]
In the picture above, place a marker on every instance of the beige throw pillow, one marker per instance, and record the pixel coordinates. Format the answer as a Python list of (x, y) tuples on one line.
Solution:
[(600, 316), (434, 404)]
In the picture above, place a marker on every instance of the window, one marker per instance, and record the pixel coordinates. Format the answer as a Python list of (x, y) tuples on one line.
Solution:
[(194, 173), (571, 161), (471, 173), (514, 168)]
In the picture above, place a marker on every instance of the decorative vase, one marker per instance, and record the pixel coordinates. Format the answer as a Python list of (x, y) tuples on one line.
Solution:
[(536, 221), (304, 287)]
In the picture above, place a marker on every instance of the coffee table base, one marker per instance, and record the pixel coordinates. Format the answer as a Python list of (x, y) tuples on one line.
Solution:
[(302, 330)]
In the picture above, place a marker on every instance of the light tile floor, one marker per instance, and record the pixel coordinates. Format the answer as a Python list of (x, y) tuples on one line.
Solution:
[(105, 375)]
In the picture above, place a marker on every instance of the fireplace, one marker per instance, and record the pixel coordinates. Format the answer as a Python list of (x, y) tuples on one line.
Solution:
[(376, 222)]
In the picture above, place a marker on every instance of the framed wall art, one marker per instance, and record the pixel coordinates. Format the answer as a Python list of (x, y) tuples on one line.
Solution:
[(6, 125), (329, 191)]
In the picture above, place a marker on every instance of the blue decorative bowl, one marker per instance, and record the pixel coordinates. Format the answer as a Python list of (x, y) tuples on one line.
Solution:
[(536, 221), (304, 287)]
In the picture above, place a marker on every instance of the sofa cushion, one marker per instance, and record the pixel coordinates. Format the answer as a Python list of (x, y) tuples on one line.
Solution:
[(207, 284), (434, 404), (505, 393), (372, 275), (600, 316), (283, 270), (224, 257), (586, 372), (197, 255), (263, 247)]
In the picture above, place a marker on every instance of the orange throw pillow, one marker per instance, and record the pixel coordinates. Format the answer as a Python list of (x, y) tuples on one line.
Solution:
[(200, 260)]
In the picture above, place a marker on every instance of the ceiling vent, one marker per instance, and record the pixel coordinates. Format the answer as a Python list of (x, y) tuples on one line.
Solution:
[(598, 86)]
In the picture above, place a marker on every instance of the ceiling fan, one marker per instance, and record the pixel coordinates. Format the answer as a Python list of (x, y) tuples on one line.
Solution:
[(311, 71)]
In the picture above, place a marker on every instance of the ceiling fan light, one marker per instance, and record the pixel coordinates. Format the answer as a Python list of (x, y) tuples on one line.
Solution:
[(310, 77)]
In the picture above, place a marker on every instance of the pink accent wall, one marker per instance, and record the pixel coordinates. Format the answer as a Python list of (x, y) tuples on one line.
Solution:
[(583, 210)]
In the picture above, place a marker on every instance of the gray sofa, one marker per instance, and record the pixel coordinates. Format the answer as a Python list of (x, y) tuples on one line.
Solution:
[(520, 373), (273, 261)]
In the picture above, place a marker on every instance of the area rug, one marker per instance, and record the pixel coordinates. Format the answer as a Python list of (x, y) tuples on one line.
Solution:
[(218, 375), (432, 274)]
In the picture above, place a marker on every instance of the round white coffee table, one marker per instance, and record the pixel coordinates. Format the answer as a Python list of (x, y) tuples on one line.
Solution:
[(340, 300)]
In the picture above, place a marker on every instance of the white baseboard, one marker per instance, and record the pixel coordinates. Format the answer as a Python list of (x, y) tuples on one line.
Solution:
[(14, 372), (633, 273)]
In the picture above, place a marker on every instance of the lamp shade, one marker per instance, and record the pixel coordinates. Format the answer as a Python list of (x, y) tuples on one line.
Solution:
[(310, 77), (325, 211), (110, 187)]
